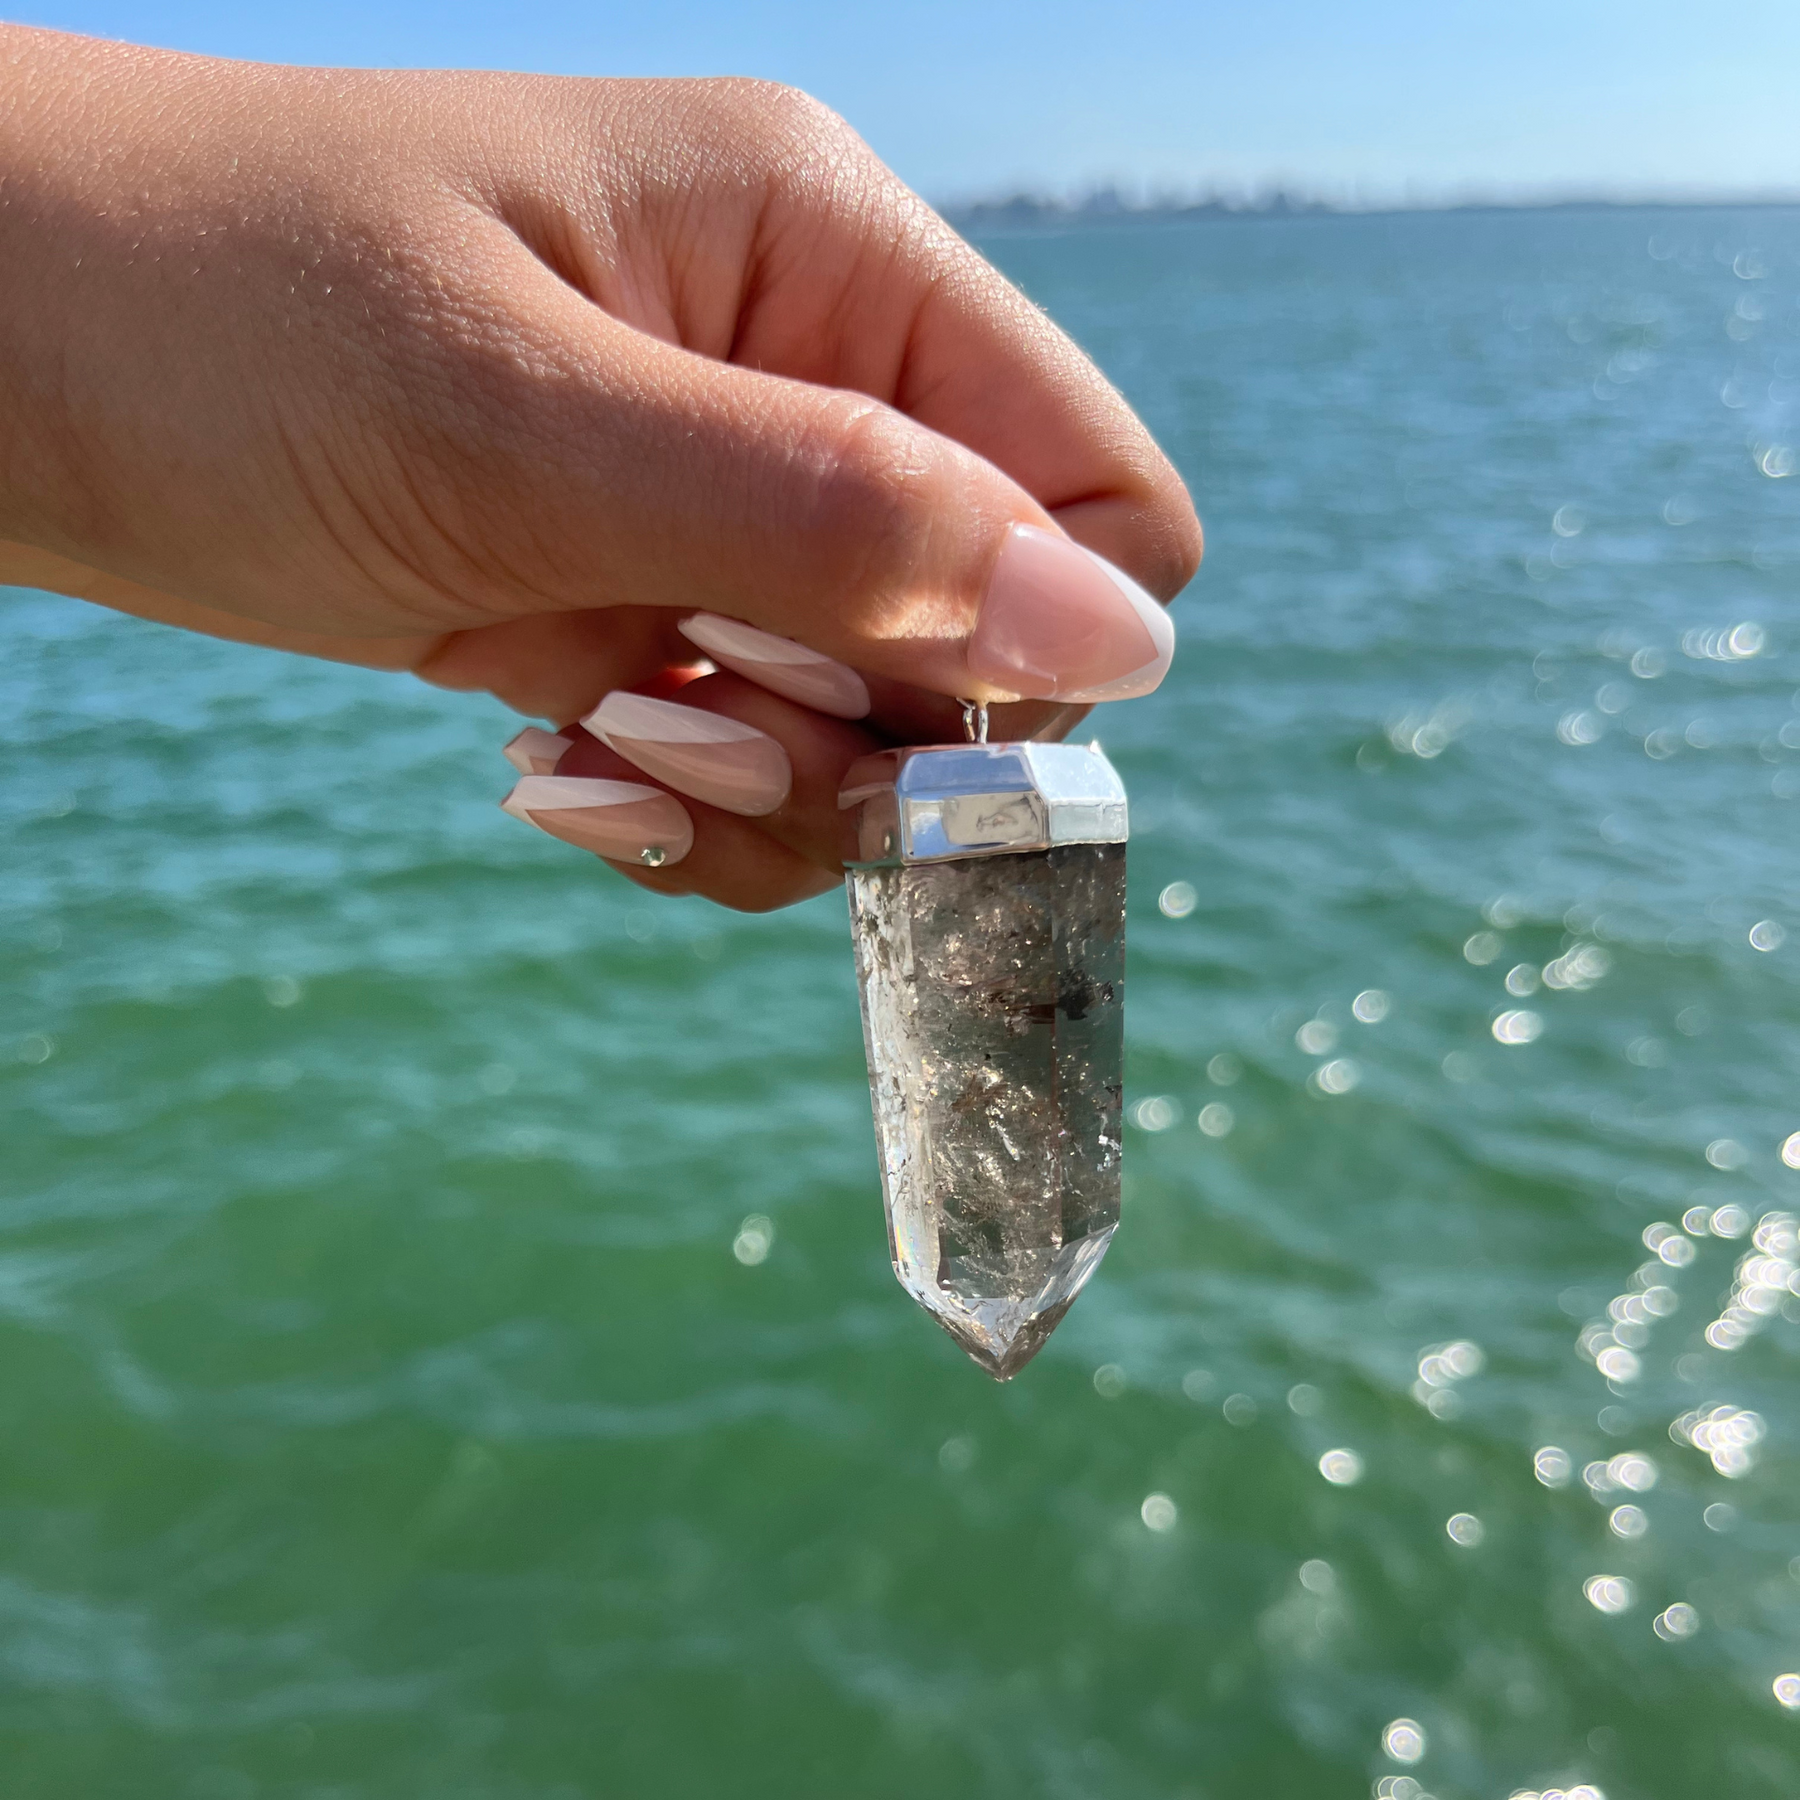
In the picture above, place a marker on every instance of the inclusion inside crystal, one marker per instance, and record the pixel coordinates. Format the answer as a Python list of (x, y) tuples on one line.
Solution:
[(993, 1013)]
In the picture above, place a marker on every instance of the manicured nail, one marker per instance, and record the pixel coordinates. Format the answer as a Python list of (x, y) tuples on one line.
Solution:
[(780, 665), (718, 760), (1060, 623), (535, 752), (623, 821)]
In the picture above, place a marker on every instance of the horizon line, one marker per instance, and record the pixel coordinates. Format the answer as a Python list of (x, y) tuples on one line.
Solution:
[(1102, 203)]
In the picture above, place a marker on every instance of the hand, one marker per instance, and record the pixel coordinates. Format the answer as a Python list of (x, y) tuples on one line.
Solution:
[(501, 379)]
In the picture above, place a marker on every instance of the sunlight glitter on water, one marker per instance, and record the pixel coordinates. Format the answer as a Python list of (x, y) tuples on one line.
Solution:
[(330, 1344)]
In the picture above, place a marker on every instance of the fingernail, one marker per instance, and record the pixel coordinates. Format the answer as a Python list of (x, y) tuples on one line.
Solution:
[(623, 821), (1060, 623), (780, 665), (535, 752), (718, 760)]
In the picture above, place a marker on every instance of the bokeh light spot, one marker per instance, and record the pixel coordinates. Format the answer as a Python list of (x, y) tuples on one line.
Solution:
[(1159, 1512), (1178, 899), (1609, 1593), (1518, 1027), (1404, 1740), (755, 1239)]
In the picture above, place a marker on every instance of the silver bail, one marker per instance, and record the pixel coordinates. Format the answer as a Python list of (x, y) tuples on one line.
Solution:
[(988, 909)]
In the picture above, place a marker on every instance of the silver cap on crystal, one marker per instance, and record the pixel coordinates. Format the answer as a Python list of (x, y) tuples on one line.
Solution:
[(924, 806)]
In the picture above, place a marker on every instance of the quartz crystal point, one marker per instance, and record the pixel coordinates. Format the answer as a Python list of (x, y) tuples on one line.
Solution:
[(989, 920)]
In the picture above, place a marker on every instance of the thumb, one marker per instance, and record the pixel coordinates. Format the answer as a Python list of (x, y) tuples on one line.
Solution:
[(656, 477)]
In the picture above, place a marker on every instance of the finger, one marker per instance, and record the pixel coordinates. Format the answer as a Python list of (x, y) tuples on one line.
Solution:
[(623, 821), (780, 665), (737, 867), (738, 748), (726, 858)]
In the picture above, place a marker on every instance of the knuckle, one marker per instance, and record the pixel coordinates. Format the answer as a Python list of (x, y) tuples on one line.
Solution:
[(789, 116), (1188, 547), (789, 145), (1180, 554), (876, 502)]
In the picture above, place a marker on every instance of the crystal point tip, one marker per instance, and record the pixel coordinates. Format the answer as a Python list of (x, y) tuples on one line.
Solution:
[(1003, 1356), (1002, 1332)]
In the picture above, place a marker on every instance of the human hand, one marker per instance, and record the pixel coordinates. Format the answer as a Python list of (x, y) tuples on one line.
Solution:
[(502, 379)]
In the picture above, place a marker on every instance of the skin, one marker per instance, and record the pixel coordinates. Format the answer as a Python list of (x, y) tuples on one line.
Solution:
[(493, 378)]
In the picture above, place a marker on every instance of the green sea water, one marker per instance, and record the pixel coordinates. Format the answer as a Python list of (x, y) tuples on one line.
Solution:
[(386, 1413)]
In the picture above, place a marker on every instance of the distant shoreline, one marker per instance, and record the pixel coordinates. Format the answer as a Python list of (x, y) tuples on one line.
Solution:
[(1105, 206)]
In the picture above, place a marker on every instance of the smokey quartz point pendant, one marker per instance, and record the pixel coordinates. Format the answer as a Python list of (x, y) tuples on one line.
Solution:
[(988, 909)]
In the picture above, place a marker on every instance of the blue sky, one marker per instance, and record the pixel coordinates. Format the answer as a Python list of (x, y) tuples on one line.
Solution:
[(1382, 100)]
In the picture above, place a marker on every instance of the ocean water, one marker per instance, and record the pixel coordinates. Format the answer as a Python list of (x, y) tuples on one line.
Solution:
[(386, 1411)]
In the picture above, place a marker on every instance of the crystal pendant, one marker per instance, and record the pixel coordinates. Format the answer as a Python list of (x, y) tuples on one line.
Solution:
[(988, 910)]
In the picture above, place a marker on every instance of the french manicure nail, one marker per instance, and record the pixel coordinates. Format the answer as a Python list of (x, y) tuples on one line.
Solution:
[(535, 752), (1060, 623), (624, 821), (719, 760), (780, 665)]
